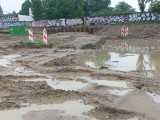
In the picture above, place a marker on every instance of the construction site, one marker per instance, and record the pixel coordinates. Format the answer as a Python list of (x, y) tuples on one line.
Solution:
[(86, 72)]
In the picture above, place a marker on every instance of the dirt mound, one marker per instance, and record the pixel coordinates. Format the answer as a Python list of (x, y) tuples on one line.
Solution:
[(63, 61), (135, 31), (73, 70), (96, 45), (108, 113), (7, 104)]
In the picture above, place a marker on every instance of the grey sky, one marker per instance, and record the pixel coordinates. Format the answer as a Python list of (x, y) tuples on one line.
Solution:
[(9, 6)]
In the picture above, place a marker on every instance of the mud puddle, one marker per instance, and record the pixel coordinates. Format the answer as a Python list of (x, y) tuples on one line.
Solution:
[(136, 118), (118, 84), (71, 109), (55, 84), (155, 97), (62, 85), (146, 64), (120, 92), (19, 70), (66, 85), (6, 61)]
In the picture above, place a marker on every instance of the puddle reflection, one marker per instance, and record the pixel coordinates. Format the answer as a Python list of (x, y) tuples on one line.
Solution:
[(67, 109), (146, 64), (119, 84)]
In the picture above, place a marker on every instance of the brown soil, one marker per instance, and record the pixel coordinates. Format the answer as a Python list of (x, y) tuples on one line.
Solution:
[(62, 63), (136, 31)]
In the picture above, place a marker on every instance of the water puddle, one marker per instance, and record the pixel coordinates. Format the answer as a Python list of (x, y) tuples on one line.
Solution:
[(136, 118), (19, 70), (6, 61), (120, 92), (63, 85), (66, 85), (125, 63), (66, 109), (90, 64), (119, 84), (155, 97), (147, 64)]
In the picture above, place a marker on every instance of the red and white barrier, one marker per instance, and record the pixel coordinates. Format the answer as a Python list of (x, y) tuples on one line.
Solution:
[(125, 31), (45, 37), (30, 35)]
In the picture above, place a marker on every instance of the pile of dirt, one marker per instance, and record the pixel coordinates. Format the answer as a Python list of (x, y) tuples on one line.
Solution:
[(63, 61), (135, 31), (108, 113), (7, 104), (96, 45), (73, 70)]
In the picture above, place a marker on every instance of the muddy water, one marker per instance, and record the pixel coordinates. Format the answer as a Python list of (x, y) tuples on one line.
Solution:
[(119, 84), (155, 97), (63, 109), (147, 64), (136, 118), (62, 85), (6, 61), (66, 85), (120, 92)]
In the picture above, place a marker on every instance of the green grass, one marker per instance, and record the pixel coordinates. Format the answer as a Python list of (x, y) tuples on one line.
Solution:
[(37, 44)]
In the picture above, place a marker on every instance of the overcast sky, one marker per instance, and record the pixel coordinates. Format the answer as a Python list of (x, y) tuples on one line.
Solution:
[(9, 6)]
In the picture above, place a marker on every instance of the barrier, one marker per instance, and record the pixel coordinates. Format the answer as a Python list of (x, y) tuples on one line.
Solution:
[(44, 36), (124, 31), (30, 35)]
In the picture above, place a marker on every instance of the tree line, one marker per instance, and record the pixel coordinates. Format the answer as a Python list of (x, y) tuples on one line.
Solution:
[(55, 9)]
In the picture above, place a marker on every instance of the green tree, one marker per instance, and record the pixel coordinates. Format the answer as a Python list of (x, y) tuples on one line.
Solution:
[(123, 7), (14, 13), (1, 11), (62, 9), (155, 6), (92, 6), (25, 7), (142, 5), (37, 9), (78, 8), (49, 7), (103, 12)]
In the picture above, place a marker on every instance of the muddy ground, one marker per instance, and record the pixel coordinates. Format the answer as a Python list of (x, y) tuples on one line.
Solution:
[(27, 78)]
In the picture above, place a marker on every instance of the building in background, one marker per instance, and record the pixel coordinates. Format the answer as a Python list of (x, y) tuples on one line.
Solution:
[(25, 17)]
